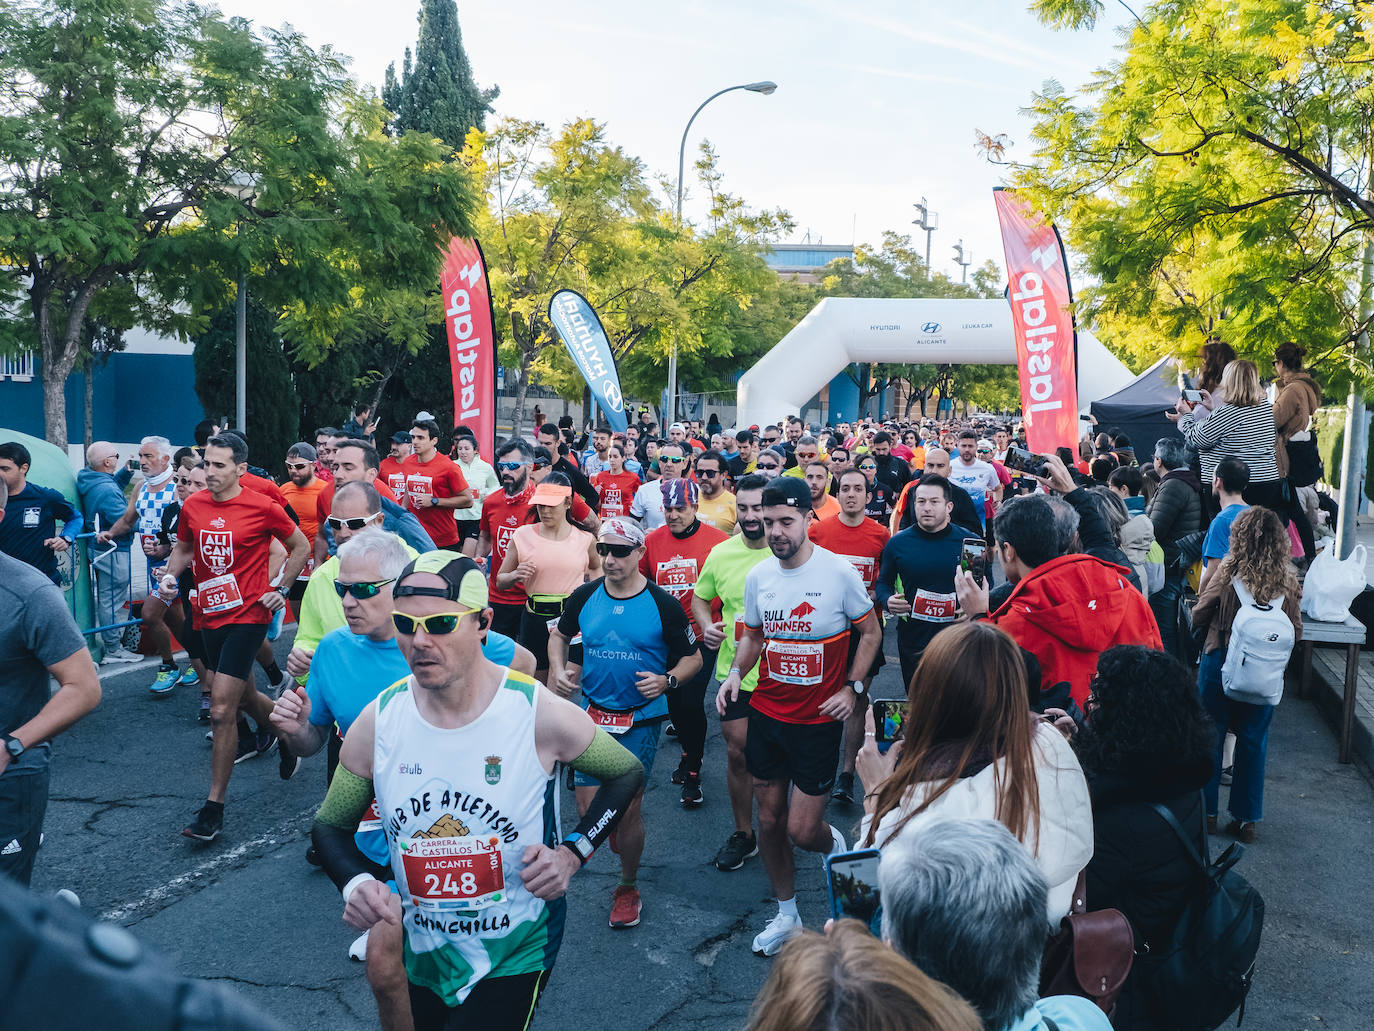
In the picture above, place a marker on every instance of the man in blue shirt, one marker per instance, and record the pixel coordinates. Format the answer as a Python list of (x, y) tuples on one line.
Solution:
[(29, 531), (1228, 484), (637, 644)]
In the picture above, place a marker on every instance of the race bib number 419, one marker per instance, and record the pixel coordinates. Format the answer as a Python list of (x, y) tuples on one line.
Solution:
[(453, 873)]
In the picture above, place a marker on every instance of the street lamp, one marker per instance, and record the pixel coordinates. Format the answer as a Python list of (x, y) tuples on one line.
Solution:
[(244, 187), (963, 259), (929, 221), (765, 88)]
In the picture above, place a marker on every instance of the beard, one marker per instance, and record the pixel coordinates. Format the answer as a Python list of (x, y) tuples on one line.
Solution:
[(752, 531), (783, 548)]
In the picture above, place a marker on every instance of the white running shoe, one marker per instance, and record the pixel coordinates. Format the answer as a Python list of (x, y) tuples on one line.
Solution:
[(780, 930), (837, 845), (120, 655), (358, 950)]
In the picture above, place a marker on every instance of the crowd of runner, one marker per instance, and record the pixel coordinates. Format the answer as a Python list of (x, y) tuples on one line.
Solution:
[(474, 640)]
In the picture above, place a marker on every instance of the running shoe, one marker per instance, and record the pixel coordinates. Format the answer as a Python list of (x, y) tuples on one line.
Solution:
[(120, 654), (312, 856), (692, 797), (274, 690), (681, 771), (167, 678), (207, 824), (844, 789), (68, 896), (248, 748), (289, 761), (189, 676), (738, 847), (837, 845), (671, 731), (203, 715), (625, 906), (780, 930), (274, 628), (265, 741), (358, 950)]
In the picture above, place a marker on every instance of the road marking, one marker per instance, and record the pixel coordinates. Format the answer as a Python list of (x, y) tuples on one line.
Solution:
[(156, 899)]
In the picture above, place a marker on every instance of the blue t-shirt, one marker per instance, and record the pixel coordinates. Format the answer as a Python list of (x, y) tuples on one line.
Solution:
[(1069, 1013), (1217, 543), (498, 648), (622, 637)]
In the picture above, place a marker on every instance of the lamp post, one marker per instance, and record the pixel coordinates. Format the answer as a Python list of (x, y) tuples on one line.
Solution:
[(963, 258), (243, 186), (753, 87), (929, 221)]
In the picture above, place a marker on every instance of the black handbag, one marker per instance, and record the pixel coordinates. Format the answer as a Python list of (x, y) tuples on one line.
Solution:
[(1304, 463)]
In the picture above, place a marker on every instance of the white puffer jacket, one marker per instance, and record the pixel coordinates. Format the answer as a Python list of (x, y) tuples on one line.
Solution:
[(1066, 818), (1137, 537)]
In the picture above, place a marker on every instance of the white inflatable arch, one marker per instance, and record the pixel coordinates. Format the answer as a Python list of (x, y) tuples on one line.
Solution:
[(841, 330)]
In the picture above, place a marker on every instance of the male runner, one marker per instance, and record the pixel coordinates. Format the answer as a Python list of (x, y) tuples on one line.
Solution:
[(594, 458), (391, 469), (30, 533), (817, 477), (435, 486), (715, 505), (672, 559), (799, 609), (859, 540), (354, 461), (224, 534), (722, 579), (464, 781), (503, 512), (302, 492), (977, 477), (647, 505)]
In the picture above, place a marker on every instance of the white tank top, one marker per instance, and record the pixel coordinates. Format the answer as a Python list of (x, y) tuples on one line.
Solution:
[(459, 808)]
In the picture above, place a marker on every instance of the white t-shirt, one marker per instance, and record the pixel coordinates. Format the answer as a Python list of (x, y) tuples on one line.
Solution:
[(647, 505), (974, 476)]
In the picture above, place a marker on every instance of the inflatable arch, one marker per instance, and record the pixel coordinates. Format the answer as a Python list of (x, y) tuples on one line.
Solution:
[(841, 330)]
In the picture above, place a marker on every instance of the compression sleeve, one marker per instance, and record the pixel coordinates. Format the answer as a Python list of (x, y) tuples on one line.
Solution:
[(345, 804), (621, 776)]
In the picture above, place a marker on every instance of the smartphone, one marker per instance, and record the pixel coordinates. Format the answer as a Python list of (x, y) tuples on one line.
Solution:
[(889, 717), (973, 558), (1022, 461), (1192, 396), (852, 879)]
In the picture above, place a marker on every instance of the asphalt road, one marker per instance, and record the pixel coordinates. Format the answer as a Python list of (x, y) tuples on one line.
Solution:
[(249, 911)]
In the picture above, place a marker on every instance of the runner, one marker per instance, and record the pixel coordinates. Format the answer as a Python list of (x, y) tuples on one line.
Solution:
[(392, 467), (859, 540), (638, 645), (647, 506), (504, 512), (30, 533), (594, 458), (722, 580), (481, 480), (464, 768), (672, 559), (302, 492), (615, 484), (977, 477), (880, 495), (816, 474), (224, 533), (800, 608), (716, 505), (355, 461), (435, 486)]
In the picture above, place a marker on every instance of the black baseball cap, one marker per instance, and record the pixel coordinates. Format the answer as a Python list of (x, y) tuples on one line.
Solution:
[(400, 437), (787, 490)]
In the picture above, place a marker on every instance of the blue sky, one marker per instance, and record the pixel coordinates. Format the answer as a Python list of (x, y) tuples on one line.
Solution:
[(877, 103)]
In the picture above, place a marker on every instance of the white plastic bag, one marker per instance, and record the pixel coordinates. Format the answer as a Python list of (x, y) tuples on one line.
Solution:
[(1331, 585)]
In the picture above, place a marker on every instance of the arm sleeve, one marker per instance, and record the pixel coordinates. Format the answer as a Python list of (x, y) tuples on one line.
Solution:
[(621, 776), (348, 798)]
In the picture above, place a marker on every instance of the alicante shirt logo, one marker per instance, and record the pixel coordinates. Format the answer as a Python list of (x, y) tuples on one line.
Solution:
[(493, 769), (217, 550)]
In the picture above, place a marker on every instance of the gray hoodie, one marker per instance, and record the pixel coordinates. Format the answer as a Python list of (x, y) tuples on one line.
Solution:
[(102, 496)]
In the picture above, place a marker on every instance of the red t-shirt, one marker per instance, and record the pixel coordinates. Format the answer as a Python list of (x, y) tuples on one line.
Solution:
[(615, 492), (394, 475), (861, 546), (326, 499), (252, 481), (501, 516), (305, 503), (440, 477), (674, 563), (230, 541)]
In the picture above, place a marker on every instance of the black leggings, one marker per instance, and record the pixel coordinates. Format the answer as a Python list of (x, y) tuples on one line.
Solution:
[(686, 708), (495, 1004)]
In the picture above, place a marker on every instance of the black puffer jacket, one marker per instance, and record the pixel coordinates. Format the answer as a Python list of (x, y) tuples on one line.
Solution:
[(1176, 510)]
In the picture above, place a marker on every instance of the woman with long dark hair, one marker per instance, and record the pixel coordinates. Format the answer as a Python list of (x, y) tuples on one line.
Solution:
[(973, 749)]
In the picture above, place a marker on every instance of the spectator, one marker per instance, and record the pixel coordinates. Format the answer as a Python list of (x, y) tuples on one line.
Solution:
[(1129, 484), (1295, 403), (101, 488), (360, 424), (1228, 486), (965, 903), (1216, 355), (972, 751), (1148, 741), (30, 533), (1101, 468), (1175, 512), (1121, 447), (849, 979), (1066, 609), (1135, 536), (1260, 560)]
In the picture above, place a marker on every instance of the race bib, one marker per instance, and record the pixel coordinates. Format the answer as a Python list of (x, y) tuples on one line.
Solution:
[(397, 483), (796, 662), (453, 873), (419, 488), (933, 608), (677, 576), (309, 568), (612, 502), (553, 625), (372, 819), (31, 517), (611, 722), (219, 594), (867, 567)]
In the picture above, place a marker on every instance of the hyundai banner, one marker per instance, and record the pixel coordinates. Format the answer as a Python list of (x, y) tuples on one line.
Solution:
[(581, 333), (1042, 318), (471, 340)]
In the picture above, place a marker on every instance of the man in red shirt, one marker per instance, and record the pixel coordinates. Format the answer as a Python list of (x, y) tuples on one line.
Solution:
[(503, 512), (435, 486), (392, 465), (860, 540), (225, 534), (673, 556), (302, 491)]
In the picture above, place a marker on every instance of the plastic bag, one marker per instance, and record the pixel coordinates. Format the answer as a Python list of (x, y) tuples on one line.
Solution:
[(1331, 584)]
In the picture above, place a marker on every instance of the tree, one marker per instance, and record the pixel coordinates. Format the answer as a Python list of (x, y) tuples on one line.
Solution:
[(150, 151), (438, 94), (1216, 178)]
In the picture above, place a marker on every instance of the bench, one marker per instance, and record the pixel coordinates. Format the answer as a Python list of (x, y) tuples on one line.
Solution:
[(1351, 634)]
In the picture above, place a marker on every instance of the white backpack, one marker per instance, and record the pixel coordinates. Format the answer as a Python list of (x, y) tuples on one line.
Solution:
[(1261, 642)]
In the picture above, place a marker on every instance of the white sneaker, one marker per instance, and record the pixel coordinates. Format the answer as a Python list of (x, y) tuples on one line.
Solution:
[(68, 896), (121, 655), (358, 950), (780, 930), (837, 845)]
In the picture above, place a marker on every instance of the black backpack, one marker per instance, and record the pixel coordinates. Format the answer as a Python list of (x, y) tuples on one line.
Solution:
[(1203, 972)]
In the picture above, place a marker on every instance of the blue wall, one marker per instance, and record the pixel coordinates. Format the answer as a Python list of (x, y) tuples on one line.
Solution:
[(135, 396)]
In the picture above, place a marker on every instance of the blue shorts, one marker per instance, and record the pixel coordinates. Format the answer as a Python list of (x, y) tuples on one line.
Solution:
[(641, 740)]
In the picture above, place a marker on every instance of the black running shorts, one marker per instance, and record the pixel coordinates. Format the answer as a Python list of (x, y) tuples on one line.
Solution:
[(804, 753), (230, 650)]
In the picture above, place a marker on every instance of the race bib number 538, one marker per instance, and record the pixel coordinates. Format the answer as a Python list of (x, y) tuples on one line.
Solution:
[(796, 662), (453, 873)]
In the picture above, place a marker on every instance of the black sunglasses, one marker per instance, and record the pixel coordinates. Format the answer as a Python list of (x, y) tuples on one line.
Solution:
[(618, 550), (361, 591), (675, 461), (356, 523), (541, 465)]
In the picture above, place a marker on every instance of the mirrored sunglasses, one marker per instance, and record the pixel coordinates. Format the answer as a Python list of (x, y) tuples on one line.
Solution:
[(361, 591)]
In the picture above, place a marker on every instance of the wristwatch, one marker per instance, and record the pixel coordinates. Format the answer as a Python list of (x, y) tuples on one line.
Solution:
[(13, 745), (284, 591), (672, 681), (857, 685)]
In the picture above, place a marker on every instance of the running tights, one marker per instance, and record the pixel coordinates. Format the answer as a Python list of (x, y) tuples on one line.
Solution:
[(686, 708)]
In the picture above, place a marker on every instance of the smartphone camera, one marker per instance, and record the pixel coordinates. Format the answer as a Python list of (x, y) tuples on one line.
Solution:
[(889, 719), (973, 558), (852, 880), (1020, 460)]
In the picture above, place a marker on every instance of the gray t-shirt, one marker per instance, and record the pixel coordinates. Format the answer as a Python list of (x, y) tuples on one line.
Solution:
[(37, 632)]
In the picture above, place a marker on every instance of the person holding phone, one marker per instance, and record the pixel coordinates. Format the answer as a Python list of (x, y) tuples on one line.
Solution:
[(926, 555)]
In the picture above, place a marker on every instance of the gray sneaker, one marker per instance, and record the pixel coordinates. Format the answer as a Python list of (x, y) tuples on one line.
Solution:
[(120, 655)]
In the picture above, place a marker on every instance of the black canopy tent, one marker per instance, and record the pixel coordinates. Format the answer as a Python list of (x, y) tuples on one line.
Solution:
[(1138, 408)]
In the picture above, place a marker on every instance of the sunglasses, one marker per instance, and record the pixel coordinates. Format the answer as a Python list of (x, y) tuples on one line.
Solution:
[(618, 550), (435, 625), (296, 467), (506, 467), (361, 591), (356, 523), (707, 472), (541, 465), (771, 440), (767, 466), (185, 481)]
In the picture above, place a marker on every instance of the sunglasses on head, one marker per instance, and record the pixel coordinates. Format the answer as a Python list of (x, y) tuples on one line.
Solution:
[(356, 523), (618, 550), (361, 591), (506, 467), (435, 625)]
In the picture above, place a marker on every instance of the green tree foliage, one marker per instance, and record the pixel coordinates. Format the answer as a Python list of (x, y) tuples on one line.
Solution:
[(1215, 178), (437, 93), (150, 150)]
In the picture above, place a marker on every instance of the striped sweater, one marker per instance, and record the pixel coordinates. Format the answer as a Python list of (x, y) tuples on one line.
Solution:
[(1233, 432)]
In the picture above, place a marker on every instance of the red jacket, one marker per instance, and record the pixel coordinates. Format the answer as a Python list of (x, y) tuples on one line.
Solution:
[(1070, 610)]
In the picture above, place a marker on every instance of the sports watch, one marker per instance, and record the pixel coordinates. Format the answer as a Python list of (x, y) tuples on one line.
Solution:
[(857, 685), (13, 745), (672, 681), (284, 591)]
